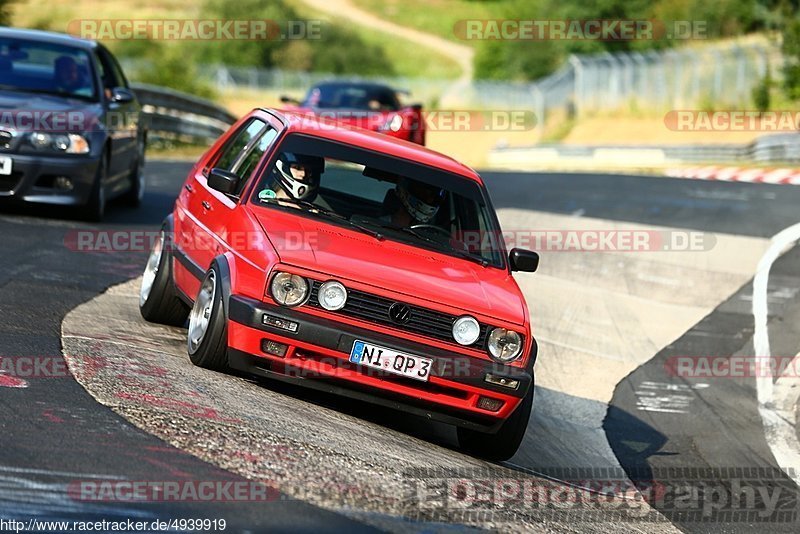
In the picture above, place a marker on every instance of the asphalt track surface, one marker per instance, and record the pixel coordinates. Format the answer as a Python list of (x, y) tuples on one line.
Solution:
[(54, 432)]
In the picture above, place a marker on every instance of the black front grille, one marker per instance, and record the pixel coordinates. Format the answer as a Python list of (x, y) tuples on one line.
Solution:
[(422, 321)]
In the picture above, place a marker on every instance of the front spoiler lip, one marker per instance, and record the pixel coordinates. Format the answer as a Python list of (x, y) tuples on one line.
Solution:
[(241, 361)]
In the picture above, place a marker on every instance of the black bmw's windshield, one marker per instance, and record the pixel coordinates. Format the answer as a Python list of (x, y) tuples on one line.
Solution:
[(352, 96), (44, 68), (372, 190)]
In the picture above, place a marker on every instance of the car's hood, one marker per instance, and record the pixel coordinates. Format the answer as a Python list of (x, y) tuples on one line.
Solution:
[(350, 254), (28, 112)]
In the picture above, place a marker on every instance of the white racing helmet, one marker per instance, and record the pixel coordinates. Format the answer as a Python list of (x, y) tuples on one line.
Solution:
[(421, 209), (299, 187)]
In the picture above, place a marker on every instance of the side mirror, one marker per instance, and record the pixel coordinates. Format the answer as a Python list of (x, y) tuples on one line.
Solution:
[(289, 100), (121, 95), (523, 260), (223, 181)]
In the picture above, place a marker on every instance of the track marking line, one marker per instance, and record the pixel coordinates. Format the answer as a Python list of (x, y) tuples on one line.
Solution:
[(778, 419)]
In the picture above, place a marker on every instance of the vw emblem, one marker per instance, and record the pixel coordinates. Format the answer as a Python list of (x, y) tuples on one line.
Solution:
[(399, 313)]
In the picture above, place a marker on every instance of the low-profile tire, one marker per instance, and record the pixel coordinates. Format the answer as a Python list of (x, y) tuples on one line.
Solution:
[(135, 194), (504, 443), (207, 338), (158, 298), (95, 208)]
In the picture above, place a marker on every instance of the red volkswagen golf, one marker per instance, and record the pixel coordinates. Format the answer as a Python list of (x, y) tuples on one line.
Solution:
[(350, 262)]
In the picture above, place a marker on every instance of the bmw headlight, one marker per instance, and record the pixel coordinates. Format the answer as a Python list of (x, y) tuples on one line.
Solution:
[(289, 289), (63, 143), (504, 345), (466, 330), (332, 295)]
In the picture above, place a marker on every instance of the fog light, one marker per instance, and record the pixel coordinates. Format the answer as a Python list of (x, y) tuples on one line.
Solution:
[(332, 295), (466, 330), (274, 348), (489, 404), (277, 322), (501, 381), (63, 183)]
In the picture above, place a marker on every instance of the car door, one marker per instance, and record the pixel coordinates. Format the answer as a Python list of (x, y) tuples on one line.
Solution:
[(208, 210), (122, 120), (227, 221)]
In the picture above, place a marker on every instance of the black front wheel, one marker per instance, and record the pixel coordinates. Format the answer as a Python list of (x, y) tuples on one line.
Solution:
[(207, 341), (135, 194), (95, 209)]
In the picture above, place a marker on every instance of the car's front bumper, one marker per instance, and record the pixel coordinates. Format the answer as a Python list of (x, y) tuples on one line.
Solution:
[(33, 177), (318, 357)]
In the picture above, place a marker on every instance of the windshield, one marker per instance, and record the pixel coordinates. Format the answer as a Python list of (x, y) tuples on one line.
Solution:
[(37, 67), (350, 96), (388, 197)]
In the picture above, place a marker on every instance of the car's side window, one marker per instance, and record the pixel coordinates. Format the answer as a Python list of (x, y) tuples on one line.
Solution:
[(247, 165), (233, 150), (110, 73), (116, 69)]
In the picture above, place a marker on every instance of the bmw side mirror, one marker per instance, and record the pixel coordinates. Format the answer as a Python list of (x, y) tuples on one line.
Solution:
[(223, 181), (523, 260), (121, 95)]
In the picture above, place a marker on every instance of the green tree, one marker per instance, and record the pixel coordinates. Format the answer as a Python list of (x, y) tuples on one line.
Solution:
[(791, 55), (761, 92), (341, 50), (5, 12)]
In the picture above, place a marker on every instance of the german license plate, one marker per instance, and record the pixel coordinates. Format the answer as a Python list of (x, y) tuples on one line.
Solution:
[(5, 165), (391, 361)]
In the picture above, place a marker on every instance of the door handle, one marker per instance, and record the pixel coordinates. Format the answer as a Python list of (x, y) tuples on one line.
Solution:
[(189, 188), (207, 205)]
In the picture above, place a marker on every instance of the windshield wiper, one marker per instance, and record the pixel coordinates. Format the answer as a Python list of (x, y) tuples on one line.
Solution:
[(310, 206), (438, 244), (449, 250)]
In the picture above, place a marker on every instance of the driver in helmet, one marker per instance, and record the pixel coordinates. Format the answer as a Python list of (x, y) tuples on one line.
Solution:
[(294, 176), (418, 203)]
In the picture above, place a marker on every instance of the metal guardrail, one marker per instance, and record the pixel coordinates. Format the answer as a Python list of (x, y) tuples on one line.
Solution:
[(776, 148), (176, 116)]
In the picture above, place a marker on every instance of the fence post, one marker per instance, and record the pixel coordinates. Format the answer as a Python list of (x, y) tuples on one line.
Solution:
[(578, 81)]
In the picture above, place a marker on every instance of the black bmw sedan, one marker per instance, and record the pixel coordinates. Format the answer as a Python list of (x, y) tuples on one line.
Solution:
[(70, 128)]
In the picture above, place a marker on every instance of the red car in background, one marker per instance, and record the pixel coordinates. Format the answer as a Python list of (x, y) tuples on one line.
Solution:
[(371, 106), (347, 261)]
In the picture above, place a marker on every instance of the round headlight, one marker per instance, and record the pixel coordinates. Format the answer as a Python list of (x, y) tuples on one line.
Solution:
[(289, 289), (61, 142), (332, 295), (40, 140), (504, 345), (466, 330)]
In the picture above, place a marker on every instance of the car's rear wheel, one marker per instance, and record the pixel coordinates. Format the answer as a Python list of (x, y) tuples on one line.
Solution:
[(504, 443), (207, 341), (158, 298)]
